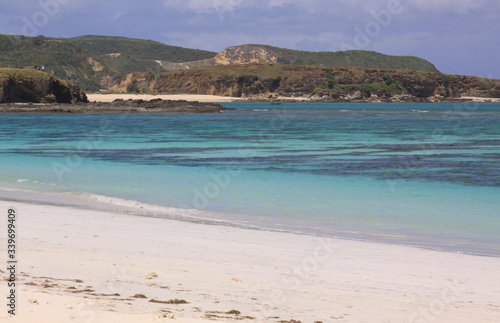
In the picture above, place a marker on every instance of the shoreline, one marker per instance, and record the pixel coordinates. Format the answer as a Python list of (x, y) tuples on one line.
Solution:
[(227, 99), (180, 103), (100, 203), (80, 264), (186, 97)]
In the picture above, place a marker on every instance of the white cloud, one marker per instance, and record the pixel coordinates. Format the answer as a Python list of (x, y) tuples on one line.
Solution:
[(311, 6), (344, 7), (456, 6), (277, 3), (358, 7), (118, 15), (201, 6), (196, 5)]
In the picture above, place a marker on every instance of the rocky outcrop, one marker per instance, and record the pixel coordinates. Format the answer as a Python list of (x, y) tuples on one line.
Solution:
[(245, 54), (18, 85), (117, 106), (267, 82)]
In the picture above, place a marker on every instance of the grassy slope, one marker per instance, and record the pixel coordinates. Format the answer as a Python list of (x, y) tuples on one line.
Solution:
[(68, 59), (64, 60), (136, 55), (275, 70), (259, 70), (139, 48), (6, 73), (352, 58)]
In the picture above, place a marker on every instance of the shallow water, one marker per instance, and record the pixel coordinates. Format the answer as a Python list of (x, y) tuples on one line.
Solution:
[(427, 174)]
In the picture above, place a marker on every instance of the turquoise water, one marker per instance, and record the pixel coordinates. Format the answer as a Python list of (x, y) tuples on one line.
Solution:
[(419, 174)]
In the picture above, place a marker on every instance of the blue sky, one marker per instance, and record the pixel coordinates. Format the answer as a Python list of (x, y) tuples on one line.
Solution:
[(458, 36)]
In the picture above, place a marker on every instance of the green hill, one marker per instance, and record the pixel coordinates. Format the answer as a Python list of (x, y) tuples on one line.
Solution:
[(64, 60), (139, 48), (86, 60), (128, 55), (359, 58)]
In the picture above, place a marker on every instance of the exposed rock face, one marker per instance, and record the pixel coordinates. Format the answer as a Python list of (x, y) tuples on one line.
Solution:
[(37, 87), (258, 81), (246, 54), (299, 81), (96, 66)]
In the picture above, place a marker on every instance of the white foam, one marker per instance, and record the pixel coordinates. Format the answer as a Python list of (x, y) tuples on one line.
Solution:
[(132, 206), (22, 180), (87, 200), (107, 203)]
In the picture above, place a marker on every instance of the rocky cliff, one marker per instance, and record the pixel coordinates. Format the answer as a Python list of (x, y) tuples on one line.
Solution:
[(259, 81), (18, 85), (247, 54)]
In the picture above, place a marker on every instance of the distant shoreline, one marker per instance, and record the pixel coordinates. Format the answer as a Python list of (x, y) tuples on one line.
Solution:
[(228, 99), (187, 103), (186, 97)]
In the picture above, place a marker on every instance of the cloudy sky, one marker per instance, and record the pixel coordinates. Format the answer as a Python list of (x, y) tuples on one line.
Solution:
[(458, 36)]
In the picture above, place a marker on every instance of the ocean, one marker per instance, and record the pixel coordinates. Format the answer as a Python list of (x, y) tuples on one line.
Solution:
[(425, 175)]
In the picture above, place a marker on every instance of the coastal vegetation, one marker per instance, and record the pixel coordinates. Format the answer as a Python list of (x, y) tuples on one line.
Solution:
[(90, 61), (358, 58), (63, 60), (7, 73), (139, 49)]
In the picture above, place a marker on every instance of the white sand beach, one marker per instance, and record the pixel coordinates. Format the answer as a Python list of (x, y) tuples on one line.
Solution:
[(86, 266), (188, 97), (480, 99), (217, 98)]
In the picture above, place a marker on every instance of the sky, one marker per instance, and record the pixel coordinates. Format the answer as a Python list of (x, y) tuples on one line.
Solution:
[(458, 36)]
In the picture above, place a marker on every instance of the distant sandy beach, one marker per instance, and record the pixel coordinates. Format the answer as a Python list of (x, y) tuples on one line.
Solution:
[(218, 99), (89, 266), (480, 99), (187, 97)]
